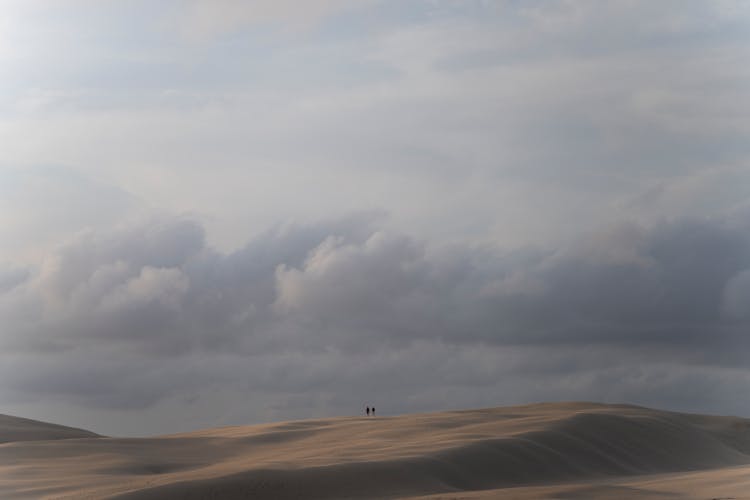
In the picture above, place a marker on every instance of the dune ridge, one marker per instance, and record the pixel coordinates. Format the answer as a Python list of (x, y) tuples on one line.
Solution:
[(383, 457), (24, 429)]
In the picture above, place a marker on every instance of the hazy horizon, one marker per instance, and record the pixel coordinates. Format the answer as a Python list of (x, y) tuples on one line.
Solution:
[(227, 212)]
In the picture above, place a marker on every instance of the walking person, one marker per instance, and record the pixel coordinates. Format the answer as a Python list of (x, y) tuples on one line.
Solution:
[(367, 410)]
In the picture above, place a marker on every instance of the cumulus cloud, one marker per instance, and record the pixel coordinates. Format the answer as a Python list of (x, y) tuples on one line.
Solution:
[(342, 307)]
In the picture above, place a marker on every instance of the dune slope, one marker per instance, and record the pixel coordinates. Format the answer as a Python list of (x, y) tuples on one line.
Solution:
[(24, 429), (393, 457)]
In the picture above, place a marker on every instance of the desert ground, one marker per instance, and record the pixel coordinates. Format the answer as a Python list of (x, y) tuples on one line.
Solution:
[(555, 450)]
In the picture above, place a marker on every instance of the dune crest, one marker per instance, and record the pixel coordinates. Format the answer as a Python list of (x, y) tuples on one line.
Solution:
[(404, 456)]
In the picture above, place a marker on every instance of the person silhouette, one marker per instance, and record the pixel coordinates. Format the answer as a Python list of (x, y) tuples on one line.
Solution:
[(373, 411), (367, 410)]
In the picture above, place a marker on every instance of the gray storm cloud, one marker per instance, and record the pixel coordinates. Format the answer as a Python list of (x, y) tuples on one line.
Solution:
[(129, 317)]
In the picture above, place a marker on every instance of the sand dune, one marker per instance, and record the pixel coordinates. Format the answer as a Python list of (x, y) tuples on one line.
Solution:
[(24, 429), (570, 450)]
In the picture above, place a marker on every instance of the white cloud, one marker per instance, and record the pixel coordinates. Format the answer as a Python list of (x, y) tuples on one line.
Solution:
[(495, 117), (164, 286), (206, 19)]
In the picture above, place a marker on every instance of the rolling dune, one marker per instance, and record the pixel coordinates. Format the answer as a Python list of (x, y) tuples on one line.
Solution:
[(560, 450)]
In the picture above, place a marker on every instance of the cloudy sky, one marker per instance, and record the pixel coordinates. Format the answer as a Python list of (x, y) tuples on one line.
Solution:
[(222, 212)]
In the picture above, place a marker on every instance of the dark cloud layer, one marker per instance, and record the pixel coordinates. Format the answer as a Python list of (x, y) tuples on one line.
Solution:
[(319, 315)]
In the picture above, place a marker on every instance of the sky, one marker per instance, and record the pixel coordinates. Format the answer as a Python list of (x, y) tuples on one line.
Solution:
[(231, 212)]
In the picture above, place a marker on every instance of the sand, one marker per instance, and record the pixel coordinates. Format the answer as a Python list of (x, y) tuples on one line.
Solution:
[(559, 450), (23, 429)]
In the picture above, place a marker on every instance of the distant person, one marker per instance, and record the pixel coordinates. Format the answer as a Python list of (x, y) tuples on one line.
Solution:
[(373, 411), (367, 410)]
